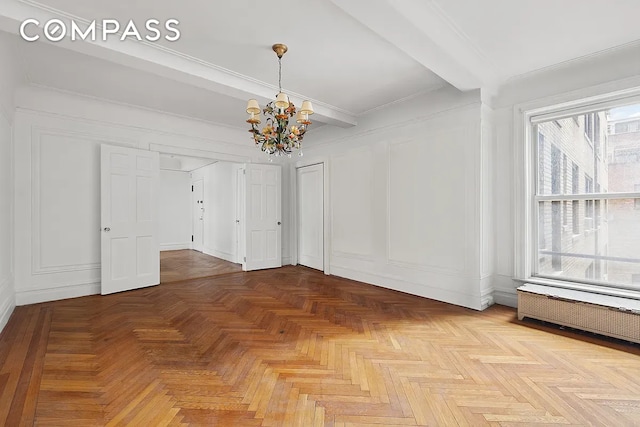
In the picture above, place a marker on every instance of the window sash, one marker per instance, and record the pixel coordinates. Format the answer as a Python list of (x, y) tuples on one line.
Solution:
[(586, 196), (535, 198)]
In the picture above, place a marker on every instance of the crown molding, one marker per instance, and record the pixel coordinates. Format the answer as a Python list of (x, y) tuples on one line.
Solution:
[(162, 61)]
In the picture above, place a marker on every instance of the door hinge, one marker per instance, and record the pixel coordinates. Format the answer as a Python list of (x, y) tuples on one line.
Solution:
[(192, 237), (245, 259), (192, 188), (244, 171)]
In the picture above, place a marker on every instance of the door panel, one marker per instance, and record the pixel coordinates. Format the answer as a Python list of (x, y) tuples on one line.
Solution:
[(263, 210), (310, 195), (129, 216)]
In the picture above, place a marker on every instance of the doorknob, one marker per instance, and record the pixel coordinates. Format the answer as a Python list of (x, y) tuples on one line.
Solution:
[(279, 223), (107, 229)]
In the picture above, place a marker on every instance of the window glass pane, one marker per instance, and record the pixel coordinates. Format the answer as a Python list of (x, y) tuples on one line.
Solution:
[(605, 248), (593, 240), (594, 152)]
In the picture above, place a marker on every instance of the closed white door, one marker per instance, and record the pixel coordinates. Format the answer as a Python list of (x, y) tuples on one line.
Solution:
[(310, 195), (129, 217), (197, 197), (263, 207)]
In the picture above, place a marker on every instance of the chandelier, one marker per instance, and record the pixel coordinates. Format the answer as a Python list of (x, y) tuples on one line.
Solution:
[(277, 137)]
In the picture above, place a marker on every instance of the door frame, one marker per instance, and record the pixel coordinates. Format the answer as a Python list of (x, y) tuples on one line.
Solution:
[(293, 197), (202, 154)]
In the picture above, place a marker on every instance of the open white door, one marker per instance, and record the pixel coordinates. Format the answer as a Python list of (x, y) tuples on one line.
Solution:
[(129, 217), (310, 184), (263, 208)]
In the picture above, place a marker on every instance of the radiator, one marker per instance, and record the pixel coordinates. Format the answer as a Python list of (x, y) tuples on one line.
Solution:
[(602, 314)]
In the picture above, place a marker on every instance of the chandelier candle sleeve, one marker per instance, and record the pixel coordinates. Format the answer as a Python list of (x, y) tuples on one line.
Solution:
[(276, 137)]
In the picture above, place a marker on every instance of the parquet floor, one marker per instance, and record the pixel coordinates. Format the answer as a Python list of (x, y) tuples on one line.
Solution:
[(293, 347), (188, 264)]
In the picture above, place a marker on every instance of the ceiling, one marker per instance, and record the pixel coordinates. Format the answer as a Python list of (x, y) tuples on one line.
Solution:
[(348, 59)]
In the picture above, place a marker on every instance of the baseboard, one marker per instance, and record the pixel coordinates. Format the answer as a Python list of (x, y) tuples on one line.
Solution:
[(222, 255), (504, 291), (9, 302), (455, 298), (286, 260), (54, 294), (486, 297), (175, 246)]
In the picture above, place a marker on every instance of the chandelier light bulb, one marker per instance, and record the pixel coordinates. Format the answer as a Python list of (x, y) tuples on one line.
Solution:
[(306, 108), (253, 107), (282, 100)]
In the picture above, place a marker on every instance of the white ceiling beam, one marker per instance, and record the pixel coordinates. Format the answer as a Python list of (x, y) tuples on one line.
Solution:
[(153, 58), (420, 29)]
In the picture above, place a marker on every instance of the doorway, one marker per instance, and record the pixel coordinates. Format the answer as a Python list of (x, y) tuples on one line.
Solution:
[(310, 214), (197, 217), (197, 197)]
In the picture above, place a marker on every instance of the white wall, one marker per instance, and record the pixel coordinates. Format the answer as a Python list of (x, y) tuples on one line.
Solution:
[(175, 210), (409, 197), (608, 72), (9, 78), (57, 138)]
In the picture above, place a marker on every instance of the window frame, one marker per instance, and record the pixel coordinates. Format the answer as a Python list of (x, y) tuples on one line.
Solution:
[(526, 116)]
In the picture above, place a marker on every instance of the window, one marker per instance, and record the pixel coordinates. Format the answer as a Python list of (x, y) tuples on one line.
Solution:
[(541, 227), (588, 273), (622, 127), (588, 204), (586, 212), (588, 127), (633, 126), (556, 165), (575, 219), (565, 182), (542, 164)]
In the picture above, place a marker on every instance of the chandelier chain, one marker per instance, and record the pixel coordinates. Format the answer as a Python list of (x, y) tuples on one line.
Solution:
[(280, 74)]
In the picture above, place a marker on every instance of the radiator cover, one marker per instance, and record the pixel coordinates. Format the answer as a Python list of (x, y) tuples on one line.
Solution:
[(606, 315)]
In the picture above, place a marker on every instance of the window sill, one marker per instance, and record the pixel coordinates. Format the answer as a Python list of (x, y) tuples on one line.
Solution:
[(595, 289)]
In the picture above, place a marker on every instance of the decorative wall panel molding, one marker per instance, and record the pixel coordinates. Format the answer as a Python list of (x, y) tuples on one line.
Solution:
[(65, 192)]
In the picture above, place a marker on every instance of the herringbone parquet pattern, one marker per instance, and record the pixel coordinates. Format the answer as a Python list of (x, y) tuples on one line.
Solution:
[(293, 347), (181, 265)]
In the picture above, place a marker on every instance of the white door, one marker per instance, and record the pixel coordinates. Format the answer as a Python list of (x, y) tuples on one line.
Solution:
[(197, 197), (129, 217), (263, 206), (310, 195)]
